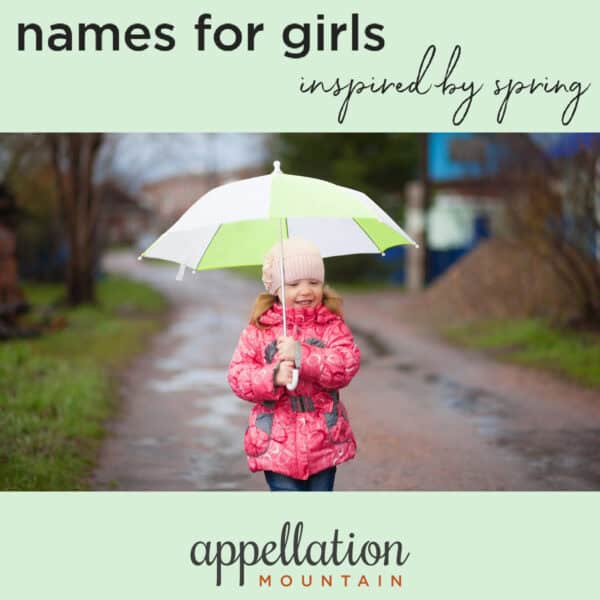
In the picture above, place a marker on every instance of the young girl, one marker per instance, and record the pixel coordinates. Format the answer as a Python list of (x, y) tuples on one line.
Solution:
[(296, 437)]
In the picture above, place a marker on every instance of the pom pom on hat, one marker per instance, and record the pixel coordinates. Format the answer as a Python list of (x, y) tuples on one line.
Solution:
[(301, 260)]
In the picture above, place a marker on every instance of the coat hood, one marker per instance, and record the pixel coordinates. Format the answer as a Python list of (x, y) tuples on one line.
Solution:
[(297, 315)]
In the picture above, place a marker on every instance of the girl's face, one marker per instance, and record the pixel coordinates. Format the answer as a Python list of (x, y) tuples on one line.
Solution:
[(303, 292)]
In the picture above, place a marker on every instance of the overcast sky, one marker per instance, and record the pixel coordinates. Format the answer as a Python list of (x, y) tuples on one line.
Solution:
[(139, 158)]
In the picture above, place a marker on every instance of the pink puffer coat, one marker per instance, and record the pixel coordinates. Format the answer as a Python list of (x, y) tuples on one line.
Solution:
[(302, 432)]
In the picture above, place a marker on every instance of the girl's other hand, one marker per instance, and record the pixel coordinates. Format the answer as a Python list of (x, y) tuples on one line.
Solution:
[(284, 373), (286, 347)]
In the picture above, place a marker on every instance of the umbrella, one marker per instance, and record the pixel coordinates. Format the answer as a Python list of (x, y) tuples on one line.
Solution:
[(235, 224)]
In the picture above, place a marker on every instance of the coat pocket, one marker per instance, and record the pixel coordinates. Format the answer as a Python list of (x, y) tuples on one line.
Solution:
[(336, 421), (256, 442), (261, 433), (341, 432)]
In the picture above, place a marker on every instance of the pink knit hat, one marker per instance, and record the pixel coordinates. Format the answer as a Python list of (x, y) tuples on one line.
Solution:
[(301, 260)]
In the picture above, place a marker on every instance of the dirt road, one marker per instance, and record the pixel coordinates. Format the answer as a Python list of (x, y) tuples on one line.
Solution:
[(426, 415)]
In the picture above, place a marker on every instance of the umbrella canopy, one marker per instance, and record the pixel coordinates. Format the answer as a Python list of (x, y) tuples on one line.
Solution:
[(235, 224)]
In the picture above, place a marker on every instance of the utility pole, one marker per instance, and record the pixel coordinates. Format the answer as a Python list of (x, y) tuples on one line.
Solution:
[(417, 195)]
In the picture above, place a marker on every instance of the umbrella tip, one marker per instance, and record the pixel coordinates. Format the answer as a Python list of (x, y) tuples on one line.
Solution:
[(140, 257), (276, 166)]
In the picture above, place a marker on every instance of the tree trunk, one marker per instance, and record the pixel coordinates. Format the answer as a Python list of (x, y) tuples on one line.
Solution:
[(73, 157)]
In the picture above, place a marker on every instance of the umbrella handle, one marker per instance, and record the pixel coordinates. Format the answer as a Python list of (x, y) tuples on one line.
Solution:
[(292, 386)]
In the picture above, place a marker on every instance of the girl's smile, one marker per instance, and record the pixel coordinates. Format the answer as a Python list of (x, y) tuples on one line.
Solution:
[(303, 292)]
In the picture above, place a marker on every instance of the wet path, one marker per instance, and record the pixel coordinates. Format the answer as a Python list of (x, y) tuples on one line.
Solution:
[(455, 420), (426, 416), (181, 427)]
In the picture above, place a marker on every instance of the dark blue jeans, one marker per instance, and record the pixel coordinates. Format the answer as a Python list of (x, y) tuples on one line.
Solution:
[(319, 482)]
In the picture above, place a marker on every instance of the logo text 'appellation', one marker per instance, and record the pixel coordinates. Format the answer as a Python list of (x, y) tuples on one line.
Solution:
[(294, 550)]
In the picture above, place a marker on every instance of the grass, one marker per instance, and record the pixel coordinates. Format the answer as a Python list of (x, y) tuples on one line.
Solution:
[(56, 391), (536, 343)]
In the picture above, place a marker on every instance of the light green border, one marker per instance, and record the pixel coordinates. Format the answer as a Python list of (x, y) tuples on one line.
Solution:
[(184, 89), (492, 545), (461, 545)]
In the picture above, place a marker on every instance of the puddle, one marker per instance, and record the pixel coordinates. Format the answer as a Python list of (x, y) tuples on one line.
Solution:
[(218, 459), (193, 380), (212, 481), (487, 410), (563, 458), (153, 442), (431, 377), (405, 367), (200, 338), (218, 411), (477, 401), (489, 425), (373, 342)]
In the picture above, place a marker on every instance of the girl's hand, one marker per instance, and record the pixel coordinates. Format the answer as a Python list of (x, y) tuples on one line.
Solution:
[(284, 373), (286, 347)]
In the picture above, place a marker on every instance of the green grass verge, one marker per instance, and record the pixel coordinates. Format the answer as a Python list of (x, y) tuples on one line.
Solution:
[(535, 343), (56, 391)]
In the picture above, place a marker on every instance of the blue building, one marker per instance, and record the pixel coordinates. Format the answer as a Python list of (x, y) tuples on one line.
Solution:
[(469, 184)]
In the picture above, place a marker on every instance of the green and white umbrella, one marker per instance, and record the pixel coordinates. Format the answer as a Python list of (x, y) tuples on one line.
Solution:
[(235, 224)]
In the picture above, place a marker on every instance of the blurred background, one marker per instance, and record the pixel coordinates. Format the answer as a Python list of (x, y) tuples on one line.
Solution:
[(508, 269), (65, 199)]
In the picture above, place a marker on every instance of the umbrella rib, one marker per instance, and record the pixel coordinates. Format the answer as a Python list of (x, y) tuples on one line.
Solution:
[(208, 245), (367, 234)]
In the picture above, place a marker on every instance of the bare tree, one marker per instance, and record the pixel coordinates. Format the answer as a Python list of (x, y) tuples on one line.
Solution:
[(555, 213), (73, 156)]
